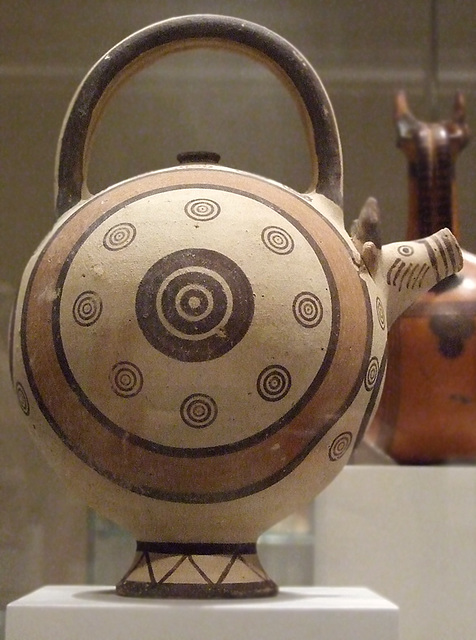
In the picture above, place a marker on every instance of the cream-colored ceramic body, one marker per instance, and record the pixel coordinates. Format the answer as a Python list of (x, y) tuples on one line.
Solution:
[(199, 349), (106, 403)]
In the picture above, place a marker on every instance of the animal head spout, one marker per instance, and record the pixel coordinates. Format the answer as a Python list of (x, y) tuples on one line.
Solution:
[(404, 270), (412, 268)]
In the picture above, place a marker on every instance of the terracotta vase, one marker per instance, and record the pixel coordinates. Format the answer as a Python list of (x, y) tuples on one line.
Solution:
[(428, 408), (198, 349)]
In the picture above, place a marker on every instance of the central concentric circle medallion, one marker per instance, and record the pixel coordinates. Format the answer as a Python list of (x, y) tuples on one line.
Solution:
[(194, 305)]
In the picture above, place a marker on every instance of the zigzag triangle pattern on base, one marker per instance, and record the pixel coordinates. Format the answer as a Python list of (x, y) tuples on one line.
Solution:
[(175, 570)]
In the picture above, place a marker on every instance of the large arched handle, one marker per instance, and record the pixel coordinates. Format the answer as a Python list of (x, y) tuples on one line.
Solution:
[(146, 45)]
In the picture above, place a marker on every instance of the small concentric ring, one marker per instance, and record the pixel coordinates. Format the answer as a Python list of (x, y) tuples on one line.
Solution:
[(119, 236), (126, 379), (199, 410), (340, 445), (405, 250), (87, 308), (277, 240), (202, 210), (380, 313), (274, 383), (22, 398), (371, 374), (307, 309), (194, 302)]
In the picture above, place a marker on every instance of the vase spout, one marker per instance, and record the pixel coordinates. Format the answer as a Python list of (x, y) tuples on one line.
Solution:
[(411, 268)]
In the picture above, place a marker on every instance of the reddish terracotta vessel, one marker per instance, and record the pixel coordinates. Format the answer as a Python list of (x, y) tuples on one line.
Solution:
[(428, 409)]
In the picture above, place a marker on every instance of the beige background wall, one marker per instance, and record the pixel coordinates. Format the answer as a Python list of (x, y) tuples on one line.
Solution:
[(364, 51)]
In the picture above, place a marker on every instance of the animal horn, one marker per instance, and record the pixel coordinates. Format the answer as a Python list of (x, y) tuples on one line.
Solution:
[(404, 118)]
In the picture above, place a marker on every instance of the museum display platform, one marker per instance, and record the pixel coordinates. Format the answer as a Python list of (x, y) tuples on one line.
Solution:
[(408, 533), (306, 613)]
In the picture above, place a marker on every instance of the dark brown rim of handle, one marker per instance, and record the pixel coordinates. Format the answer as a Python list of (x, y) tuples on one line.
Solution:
[(194, 31)]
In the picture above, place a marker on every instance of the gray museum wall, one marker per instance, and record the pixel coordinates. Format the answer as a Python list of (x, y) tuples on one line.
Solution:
[(364, 51)]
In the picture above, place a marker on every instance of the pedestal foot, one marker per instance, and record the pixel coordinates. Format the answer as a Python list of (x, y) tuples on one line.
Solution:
[(175, 570)]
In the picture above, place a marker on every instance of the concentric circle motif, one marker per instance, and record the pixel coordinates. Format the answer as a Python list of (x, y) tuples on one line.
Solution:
[(307, 309), (274, 383), (277, 240), (198, 410), (186, 304), (380, 313), (405, 250), (371, 374), (340, 445), (119, 236), (22, 398), (87, 308), (202, 210), (194, 302), (126, 379), (194, 305)]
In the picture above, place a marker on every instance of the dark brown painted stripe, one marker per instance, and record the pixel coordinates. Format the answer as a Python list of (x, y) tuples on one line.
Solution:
[(149, 567), (441, 247), (432, 257), (197, 548), (451, 251), (171, 571), (138, 561), (423, 272), (389, 272), (404, 275), (410, 276), (259, 589), (400, 267)]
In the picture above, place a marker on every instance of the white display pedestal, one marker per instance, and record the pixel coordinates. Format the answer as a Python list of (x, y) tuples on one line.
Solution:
[(409, 533), (302, 613)]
